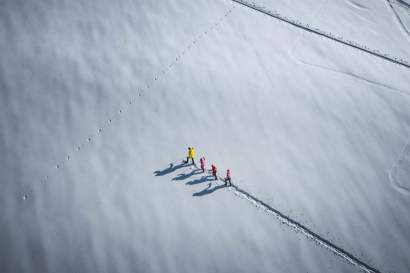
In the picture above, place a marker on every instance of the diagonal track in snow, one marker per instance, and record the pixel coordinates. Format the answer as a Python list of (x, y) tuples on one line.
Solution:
[(397, 16), (403, 4), (324, 34), (298, 227)]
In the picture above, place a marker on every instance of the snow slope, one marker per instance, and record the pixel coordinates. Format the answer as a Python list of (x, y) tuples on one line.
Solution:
[(98, 97)]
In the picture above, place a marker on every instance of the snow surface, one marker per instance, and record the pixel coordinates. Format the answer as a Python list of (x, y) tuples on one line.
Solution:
[(98, 97)]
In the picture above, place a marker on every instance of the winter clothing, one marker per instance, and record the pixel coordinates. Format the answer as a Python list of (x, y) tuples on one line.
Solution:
[(214, 171), (228, 177), (191, 154), (202, 162)]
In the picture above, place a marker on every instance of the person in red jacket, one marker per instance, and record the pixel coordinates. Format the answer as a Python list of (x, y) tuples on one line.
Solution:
[(214, 171), (228, 177), (202, 162)]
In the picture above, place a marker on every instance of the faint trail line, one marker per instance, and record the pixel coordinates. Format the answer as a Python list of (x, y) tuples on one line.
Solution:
[(396, 166), (296, 226), (107, 124), (357, 77), (324, 34)]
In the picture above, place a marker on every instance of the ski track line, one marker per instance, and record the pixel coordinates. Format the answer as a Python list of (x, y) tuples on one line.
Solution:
[(357, 77), (398, 19), (388, 88), (166, 69), (295, 225), (403, 4), (324, 34)]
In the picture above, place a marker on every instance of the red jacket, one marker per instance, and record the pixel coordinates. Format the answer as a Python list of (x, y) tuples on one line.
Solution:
[(214, 169)]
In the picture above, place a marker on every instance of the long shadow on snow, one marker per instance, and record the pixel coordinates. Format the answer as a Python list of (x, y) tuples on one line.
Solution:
[(183, 176), (170, 169), (208, 190), (204, 178)]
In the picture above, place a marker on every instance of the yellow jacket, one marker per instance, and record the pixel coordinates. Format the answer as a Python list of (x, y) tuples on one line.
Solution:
[(191, 153)]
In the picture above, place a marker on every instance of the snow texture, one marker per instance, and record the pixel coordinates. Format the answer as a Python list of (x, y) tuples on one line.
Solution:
[(98, 97)]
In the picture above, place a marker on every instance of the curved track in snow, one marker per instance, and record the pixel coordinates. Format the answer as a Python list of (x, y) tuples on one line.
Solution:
[(394, 170), (324, 34)]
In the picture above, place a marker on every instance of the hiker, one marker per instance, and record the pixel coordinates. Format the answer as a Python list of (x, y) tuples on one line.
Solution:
[(191, 154), (202, 161), (228, 177), (187, 157), (214, 170)]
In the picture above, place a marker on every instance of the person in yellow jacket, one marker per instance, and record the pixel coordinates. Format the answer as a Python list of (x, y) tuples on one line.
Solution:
[(191, 155)]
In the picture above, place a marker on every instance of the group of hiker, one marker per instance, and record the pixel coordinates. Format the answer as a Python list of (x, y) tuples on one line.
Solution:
[(214, 170)]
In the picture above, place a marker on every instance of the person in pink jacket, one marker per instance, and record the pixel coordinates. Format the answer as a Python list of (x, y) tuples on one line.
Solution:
[(228, 177), (202, 162), (214, 171)]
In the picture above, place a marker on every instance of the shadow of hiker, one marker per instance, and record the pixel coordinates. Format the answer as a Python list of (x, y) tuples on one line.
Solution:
[(208, 190), (170, 169), (204, 178), (183, 176)]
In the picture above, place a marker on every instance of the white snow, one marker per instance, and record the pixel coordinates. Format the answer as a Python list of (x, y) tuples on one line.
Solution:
[(98, 96)]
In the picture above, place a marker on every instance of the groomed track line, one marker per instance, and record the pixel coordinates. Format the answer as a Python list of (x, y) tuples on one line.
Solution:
[(324, 34)]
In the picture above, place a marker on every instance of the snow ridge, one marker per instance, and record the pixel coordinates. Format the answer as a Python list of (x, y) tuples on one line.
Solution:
[(339, 39)]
